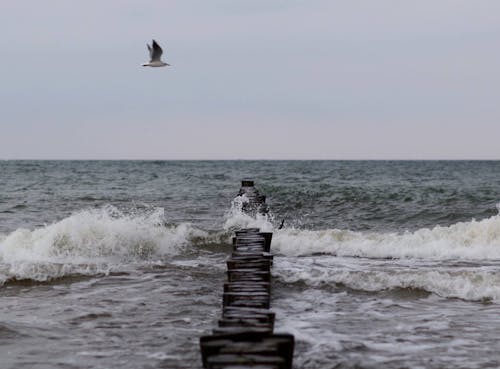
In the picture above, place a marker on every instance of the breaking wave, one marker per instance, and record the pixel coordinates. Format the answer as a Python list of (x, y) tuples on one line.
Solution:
[(91, 242), (458, 261), (468, 282), (473, 240)]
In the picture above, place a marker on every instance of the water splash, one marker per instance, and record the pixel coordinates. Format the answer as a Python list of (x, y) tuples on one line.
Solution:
[(236, 218)]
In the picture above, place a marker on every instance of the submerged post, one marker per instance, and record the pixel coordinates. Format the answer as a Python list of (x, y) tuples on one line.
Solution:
[(254, 203)]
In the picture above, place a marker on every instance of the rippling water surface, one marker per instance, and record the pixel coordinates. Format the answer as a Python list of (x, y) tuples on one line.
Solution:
[(121, 264)]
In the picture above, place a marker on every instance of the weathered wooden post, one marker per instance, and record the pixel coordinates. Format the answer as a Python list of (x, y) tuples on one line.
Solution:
[(245, 336)]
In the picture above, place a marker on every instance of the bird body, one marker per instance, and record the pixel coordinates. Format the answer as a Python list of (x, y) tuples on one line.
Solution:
[(155, 52), (155, 64)]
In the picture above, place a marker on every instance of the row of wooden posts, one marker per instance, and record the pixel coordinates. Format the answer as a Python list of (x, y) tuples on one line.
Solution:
[(245, 335)]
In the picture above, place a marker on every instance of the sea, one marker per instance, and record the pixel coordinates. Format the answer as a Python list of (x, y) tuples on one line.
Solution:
[(379, 264)]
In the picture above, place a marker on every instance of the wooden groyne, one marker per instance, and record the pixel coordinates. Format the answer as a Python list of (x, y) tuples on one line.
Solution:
[(245, 335), (255, 203)]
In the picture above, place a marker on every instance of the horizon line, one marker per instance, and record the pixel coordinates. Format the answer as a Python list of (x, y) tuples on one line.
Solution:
[(252, 159)]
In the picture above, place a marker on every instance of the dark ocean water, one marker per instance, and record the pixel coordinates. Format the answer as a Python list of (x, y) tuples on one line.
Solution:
[(120, 264)]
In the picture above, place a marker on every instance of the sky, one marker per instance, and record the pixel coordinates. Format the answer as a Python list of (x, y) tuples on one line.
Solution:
[(250, 79)]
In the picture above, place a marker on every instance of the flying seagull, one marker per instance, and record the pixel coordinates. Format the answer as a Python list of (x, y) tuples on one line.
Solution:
[(155, 52)]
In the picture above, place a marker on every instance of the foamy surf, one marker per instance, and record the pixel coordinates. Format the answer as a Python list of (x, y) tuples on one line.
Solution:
[(236, 218), (451, 281), (473, 240), (91, 242)]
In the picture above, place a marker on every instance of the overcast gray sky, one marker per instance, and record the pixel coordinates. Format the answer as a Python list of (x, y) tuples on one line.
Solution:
[(250, 79)]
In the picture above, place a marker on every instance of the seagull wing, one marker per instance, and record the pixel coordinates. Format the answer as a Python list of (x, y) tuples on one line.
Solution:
[(155, 51), (150, 53)]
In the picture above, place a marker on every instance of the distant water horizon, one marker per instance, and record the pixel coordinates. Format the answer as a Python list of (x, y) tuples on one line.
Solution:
[(251, 159)]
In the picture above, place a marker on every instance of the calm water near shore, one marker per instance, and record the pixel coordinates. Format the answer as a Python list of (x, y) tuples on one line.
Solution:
[(120, 264)]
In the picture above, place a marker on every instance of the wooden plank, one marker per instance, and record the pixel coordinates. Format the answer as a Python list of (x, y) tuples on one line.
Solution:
[(223, 360)]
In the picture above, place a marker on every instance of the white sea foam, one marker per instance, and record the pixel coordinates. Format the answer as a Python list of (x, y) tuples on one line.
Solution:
[(458, 261), (90, 242), (468, 283), (474, 240), (236, 218)]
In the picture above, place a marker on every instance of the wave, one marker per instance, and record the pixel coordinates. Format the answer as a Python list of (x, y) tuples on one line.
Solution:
[(91, 242), (473, 283), (457, 261), (473, 240)]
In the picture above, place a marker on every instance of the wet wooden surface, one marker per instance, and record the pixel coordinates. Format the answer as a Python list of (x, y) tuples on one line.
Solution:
[(245, 335)]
